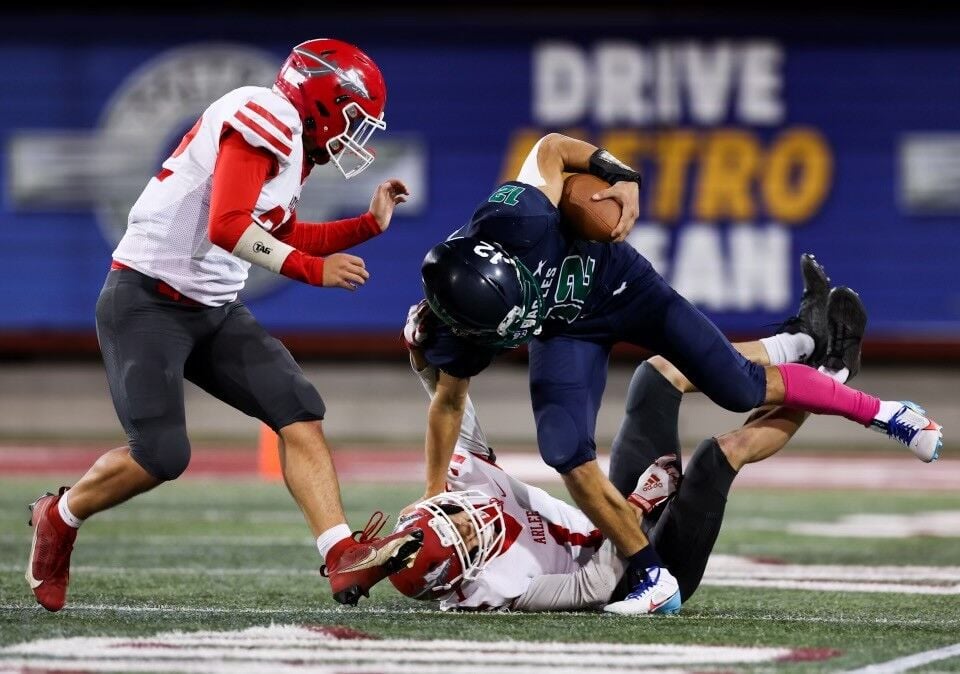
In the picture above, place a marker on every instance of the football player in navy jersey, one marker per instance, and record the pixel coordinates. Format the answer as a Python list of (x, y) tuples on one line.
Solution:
[(515, 274)]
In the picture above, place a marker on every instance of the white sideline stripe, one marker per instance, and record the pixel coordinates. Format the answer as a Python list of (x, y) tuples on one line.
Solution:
[(733, 566), (183, 541), (304, 646), (942, 523), (481, 615), (832, 586), (909, 662), (733, 571), (722, 571), (179, 571), (17, 666)]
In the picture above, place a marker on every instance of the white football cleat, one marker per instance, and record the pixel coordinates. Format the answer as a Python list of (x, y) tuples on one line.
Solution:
[(910, 426), (658, 593)]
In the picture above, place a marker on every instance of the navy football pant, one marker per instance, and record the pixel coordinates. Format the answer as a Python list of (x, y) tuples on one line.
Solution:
[(661, 320), (568, 374)]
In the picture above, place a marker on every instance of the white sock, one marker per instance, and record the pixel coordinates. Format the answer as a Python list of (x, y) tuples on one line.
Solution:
[(837, 375), (786, 348), (887, 409), (65, 514), (331, 537)]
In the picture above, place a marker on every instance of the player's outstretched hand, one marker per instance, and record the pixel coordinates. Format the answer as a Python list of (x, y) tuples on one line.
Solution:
[(627, 194), (416, 329), (342, 270), (385, 198)]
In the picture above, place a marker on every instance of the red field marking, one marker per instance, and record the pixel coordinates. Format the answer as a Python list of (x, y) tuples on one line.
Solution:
[(810, 655), (341, 632), (404, 463)]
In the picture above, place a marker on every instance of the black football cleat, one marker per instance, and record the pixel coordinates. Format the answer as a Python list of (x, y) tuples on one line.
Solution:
[(847, 318), (811, 317)]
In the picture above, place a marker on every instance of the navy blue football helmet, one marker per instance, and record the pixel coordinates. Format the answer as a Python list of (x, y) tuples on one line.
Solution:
[(482, 292)]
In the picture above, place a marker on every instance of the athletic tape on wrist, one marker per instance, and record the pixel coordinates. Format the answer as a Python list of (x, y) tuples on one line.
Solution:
[(262, 248)]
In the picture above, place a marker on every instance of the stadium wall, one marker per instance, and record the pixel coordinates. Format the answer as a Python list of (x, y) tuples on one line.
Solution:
[(759, 139)]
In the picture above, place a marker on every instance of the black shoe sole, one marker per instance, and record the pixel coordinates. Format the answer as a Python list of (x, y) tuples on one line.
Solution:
[(848, 321), (350, 596), (813, 306)]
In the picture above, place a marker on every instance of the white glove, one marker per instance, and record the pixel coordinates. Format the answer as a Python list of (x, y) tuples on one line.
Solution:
[(415, 330), (656, 484)]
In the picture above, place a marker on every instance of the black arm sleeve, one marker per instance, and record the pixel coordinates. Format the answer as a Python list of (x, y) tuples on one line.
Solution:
[(605, 165)]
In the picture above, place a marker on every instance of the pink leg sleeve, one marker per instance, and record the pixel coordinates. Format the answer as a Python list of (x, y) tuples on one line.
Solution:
[(807, 389)]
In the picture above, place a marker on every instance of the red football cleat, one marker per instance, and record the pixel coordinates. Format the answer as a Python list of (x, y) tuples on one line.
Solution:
[(365, 561), (48, 570)]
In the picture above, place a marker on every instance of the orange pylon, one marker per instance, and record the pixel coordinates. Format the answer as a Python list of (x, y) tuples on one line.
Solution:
[(268, 454)]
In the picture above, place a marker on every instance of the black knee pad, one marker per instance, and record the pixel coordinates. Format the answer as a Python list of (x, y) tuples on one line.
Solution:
[(301, 403), (648, 430), (165, 454), (709, 473)]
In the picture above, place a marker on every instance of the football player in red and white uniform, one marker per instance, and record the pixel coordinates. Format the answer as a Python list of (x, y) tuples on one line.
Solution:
[(491, 540), (225, 199)]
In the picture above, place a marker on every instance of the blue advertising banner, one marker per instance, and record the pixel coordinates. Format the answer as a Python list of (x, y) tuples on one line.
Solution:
[(754, 149)]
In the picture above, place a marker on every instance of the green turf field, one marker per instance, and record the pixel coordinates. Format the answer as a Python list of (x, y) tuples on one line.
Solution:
[(223, 555)]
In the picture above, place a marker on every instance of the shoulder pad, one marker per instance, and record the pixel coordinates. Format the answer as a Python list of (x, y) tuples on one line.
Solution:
[(268, 121)]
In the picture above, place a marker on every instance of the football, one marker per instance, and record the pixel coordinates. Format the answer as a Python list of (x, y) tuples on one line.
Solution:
[(590, 220)]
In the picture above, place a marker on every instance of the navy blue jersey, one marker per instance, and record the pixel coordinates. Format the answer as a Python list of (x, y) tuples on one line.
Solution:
[(580, 281)]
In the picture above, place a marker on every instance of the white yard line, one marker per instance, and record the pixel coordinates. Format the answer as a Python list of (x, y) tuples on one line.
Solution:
[(308, 648), (722, 571), (181, 541), (177, 571), (909, 662), (318, 613), (833, 586), (19, 666)]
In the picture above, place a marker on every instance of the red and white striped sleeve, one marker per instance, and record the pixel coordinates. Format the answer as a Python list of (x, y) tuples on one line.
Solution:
[(267, 121)]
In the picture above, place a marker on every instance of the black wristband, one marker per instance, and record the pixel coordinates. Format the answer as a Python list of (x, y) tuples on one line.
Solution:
[(605, 165)]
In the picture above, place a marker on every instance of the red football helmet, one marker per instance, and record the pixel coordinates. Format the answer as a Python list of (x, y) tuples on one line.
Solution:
[(462, 532), (340, 95)]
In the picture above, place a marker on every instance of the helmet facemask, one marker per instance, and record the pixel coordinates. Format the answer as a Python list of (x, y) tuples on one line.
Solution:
[(482, 515), (348, 150)]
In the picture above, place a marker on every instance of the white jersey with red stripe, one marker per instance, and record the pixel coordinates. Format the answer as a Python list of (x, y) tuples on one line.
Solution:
[(544, 535), (167, 231)]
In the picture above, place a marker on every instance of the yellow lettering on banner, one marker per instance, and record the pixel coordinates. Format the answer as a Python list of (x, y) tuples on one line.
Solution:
[(734, 178), (797, 176), (730, 160), (675, 150)]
